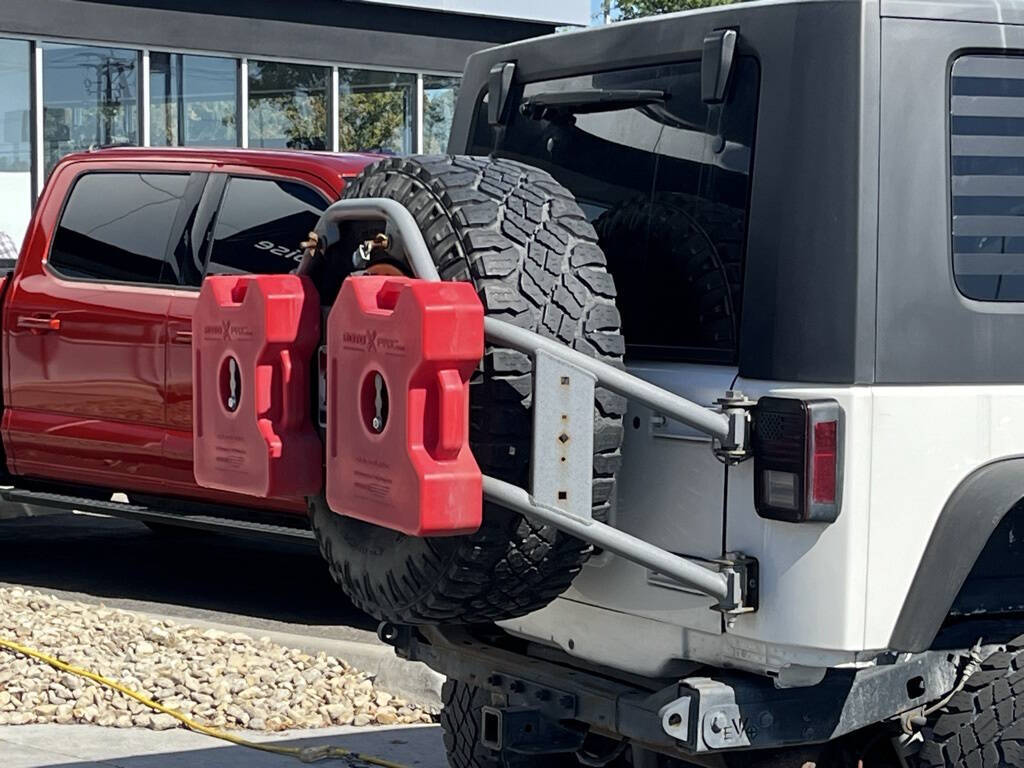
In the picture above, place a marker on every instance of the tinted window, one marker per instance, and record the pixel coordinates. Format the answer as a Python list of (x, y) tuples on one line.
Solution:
[(116, 227), (261, 224), (987, 131), (665, 179)]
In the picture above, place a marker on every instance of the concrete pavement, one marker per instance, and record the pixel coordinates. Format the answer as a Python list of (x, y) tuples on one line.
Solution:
[(86, 746)]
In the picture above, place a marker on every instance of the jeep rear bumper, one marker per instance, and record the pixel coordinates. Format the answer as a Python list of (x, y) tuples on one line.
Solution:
[(712, 711)]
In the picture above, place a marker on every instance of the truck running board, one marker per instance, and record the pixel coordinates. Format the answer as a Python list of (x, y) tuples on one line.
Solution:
[(207, 522), (561, 463)]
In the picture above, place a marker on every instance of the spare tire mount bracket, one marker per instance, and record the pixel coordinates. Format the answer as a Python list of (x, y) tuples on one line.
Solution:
[(573, 376)]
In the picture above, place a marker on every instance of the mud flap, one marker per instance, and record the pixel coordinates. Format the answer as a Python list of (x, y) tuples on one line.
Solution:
[(400, 355), (253, 341)]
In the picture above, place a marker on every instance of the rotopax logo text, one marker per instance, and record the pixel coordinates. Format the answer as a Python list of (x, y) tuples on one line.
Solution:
[(227, 331), (371, 341)]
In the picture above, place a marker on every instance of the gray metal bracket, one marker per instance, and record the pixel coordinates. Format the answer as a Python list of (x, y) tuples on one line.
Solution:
[(562, 462), (563, 406)]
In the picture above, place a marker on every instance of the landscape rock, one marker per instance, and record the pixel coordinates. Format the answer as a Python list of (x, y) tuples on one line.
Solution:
[(220, 679)]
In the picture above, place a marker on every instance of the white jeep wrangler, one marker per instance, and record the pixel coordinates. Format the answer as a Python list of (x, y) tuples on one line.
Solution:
[(806, 218)]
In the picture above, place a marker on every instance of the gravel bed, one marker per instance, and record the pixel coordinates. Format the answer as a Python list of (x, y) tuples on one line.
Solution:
[(220, 679)]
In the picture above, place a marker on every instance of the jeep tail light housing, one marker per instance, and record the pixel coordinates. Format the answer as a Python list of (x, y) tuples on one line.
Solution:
[(798, 459)]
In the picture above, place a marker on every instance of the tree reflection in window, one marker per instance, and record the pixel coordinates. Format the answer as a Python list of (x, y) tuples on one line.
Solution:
[(375, 111), (287, 106)]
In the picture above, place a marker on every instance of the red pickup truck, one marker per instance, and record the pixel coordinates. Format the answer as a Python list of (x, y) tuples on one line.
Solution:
[(97, 362)]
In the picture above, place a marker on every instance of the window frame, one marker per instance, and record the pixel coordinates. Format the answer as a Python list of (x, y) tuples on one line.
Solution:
[(53, 270)]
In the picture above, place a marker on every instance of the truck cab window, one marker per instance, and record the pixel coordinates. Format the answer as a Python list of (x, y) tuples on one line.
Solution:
[(260, 225), (665, 179), (116, 226)]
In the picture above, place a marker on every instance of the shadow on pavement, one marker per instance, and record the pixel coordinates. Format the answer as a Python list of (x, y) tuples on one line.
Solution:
[(123, 560)]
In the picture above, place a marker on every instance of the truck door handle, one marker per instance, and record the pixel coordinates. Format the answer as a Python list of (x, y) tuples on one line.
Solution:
[(39, 323), (182, 337)]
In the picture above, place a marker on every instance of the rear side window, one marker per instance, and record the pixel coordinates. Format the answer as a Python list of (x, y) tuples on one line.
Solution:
[(665, 179), (987, 165), (116, 227), (261, 224)]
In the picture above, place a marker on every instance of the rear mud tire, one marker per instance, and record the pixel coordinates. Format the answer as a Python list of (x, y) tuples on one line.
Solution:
[(460, 722), (982, 726), (524, 243)]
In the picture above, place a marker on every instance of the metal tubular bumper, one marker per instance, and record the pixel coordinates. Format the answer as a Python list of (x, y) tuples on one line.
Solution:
[(561, 462), (688, 716)]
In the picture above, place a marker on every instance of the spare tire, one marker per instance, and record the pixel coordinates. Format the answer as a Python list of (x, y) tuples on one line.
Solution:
[(522, 240)]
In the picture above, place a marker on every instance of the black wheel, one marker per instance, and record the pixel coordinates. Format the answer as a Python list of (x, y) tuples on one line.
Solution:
[(522, 240), (460, 721), (982, 726)]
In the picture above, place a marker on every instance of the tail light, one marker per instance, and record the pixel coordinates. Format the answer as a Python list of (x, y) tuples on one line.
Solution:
[(798, 454)]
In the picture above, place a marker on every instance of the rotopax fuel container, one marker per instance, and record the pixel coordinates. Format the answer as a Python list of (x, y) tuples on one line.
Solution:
[(253, 339), (401, 352)]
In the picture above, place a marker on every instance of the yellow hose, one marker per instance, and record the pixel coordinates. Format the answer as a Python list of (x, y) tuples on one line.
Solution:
[(304, 754)]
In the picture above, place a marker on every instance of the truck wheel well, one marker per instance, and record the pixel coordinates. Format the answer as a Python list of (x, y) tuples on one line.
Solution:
[(958, 550)]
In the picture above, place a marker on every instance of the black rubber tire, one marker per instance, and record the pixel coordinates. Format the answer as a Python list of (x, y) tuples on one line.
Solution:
[(982, 726), (460, 723), (523, 241)]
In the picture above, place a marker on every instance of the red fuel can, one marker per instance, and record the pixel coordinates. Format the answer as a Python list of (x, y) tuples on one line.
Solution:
[(401, 352), (253, 342)]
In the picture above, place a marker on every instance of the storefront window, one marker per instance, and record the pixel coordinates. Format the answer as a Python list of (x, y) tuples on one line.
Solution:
[(15, 138), (288, 106), (192, 101), (90, 98), (439, 94), (376, 111)]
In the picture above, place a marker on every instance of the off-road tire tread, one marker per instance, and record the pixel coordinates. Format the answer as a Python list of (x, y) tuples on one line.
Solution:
[(982, 726), (460, 724), (523, 241)]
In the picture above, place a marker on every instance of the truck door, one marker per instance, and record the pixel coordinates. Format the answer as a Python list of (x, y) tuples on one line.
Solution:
[(255, 225), (86, 324)]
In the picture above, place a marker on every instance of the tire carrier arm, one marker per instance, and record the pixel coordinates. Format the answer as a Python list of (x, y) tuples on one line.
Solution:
[(564, 382)]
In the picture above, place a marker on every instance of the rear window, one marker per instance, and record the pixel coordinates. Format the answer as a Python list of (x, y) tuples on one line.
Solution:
[(987, 164), (665, 179), (116, 227), (261, 224)]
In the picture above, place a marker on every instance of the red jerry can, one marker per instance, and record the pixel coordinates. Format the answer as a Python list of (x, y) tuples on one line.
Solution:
[(401, 352), (253, 342)]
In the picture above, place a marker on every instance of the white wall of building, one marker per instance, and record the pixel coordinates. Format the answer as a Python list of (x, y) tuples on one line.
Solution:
[(576, 12), (15, 203)]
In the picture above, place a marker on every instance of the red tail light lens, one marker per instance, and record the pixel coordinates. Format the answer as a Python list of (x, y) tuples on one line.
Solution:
[(823, 462), (797, 459)]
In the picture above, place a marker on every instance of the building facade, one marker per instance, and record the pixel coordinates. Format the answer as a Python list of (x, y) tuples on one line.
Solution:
[(323, 75)]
